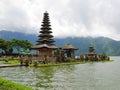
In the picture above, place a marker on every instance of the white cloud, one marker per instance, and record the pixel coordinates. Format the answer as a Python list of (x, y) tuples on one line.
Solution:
[(69, 18)]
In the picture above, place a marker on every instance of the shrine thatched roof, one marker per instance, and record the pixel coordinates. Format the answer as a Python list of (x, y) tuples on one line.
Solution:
[(69, 46)]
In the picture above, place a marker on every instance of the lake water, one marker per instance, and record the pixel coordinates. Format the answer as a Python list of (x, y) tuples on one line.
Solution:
[(89, 76)]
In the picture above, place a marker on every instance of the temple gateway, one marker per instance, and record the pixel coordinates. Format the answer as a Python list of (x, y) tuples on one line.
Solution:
[(45, 44)]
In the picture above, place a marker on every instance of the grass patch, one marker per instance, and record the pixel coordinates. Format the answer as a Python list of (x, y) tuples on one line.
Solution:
[(65, 63), (9, 85), (12, 62), (8, 58), (102, 61), (56, 64)]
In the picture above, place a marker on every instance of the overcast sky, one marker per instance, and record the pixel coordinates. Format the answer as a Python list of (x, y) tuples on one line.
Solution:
[(69, 18)]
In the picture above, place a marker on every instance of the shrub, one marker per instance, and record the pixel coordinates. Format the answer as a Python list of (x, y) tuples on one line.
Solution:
[(9, 85)]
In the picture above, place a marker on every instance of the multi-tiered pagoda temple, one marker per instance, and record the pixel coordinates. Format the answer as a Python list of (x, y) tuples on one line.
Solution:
[(45, 36), (45, 43)]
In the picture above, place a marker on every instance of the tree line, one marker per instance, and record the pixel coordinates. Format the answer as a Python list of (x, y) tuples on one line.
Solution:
[(8, 46)]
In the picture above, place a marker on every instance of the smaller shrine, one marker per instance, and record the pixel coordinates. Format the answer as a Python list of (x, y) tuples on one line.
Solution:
[(92, 56), (70, 50), (91, 52)]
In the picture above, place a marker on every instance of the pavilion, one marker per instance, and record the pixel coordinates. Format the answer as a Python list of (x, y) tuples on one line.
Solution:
[(69, 50)]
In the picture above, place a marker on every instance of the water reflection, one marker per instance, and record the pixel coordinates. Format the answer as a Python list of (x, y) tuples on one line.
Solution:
[(43, 76), (89, 76), (48, 77)]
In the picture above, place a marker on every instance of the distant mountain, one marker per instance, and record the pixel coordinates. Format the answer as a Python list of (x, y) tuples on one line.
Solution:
[(101, 44), (8, 35)]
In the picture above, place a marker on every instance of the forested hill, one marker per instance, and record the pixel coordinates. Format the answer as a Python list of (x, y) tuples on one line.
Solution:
[(102, 45)]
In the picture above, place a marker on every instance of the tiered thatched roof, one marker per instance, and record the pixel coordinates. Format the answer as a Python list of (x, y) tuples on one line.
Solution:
[(44, 46)]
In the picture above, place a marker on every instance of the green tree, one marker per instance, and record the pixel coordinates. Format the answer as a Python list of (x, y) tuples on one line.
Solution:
[(2, 45), (6, 47), (18, 44), (9, 47)]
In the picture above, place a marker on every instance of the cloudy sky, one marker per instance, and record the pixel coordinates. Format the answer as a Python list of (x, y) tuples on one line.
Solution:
[(69, 18)]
